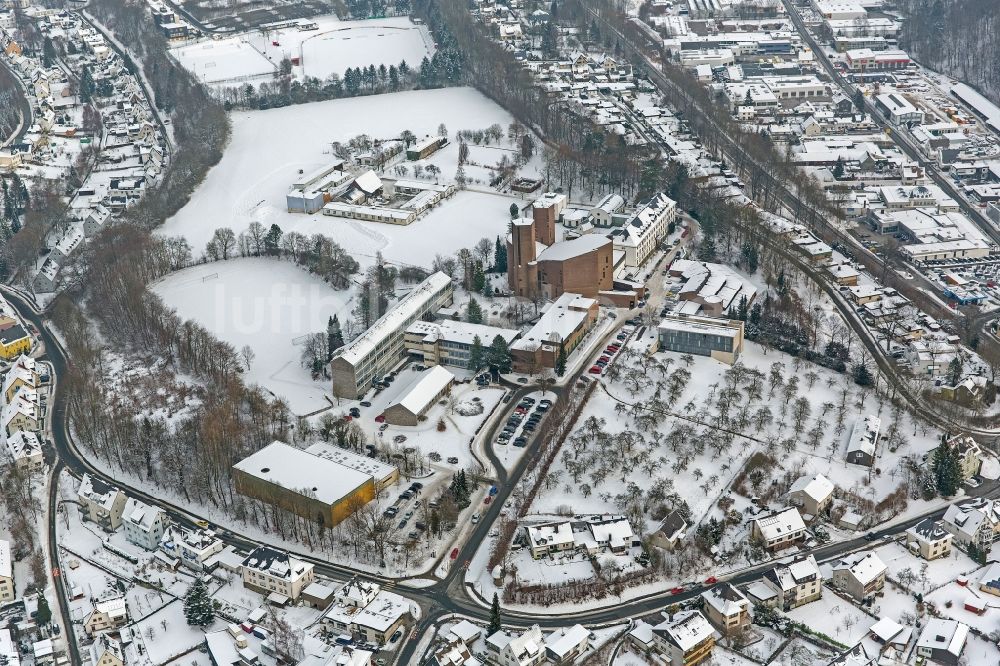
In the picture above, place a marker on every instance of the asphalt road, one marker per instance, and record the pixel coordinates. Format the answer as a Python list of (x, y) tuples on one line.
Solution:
[(25, 108)]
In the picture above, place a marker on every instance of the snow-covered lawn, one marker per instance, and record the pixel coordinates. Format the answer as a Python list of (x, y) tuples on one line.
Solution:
[(260, 164), (834, 616), (938, 572), (166, 635), (267, 304), (332, 49), (950, 599)]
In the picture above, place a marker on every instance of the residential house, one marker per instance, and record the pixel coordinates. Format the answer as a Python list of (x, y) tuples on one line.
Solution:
[(23, 373), (942, 641), (7, 590), (670, 531), (989, 581), (144, 524), (797, 582), (860, 575), (193, 548), (970, 456), (812, 495), (563, 646), (864, 439), (106, 651), (101, 503), (107, 614), (685, 639), (363, 609), (975, 523), (890, 634), (778, 530), (25, 451), (726, 608), (511, 649), (21, 413), (929, 539), (276, 574), (588, 534)]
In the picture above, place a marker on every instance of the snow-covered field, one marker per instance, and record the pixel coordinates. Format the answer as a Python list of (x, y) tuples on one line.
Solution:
[(335, 47), (267, 304), (260, 164)]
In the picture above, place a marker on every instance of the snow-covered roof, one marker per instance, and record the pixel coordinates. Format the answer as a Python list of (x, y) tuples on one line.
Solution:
[(864, 435), (564, 250), (375, 468), (427, 389), (383, 611), (23, 444), (929, 530), (140, 514), (466, 631), (276, 563), (726, 599), (887, 630), (564, 641), (948, 635), (797, 572), (818, 487), (561, 318), (780, 524), (864, 567), (392, 322), (9, 649), (686, 630), (98, 492), (295, 470), (550, 535), (368, 182), (460, 331)]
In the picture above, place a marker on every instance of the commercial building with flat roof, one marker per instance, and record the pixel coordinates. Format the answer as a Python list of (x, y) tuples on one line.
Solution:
[(379, 349), (307, 483), (722, 339)]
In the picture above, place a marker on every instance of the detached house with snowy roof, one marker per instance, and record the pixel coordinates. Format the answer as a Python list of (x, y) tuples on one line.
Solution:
[(726, 608), (277, 574), (144, 524), (524, 649), (796, 583), (942, 641), (860, 575), (929, 539), (101, 503), (812, 495), (106, 651), (976, 522), (107, 614), (25, 451), (22, 374), (864, 440), (685, 639), (589, 535), (778, 530), (564, 645)]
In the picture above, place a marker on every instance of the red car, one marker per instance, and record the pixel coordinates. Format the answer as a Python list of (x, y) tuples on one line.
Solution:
[(380, 418), (677, 590), (606, 359), (487, 500), (348, 417), (711, 580), (594, 370), (274, 42), (454, 553)]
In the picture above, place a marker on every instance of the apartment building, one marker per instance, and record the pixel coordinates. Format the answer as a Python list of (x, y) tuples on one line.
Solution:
[(101, 503), (778, 530), (276, 573), (144, 524), (797, 583), (726, 608), (861, 575), (685, 639)]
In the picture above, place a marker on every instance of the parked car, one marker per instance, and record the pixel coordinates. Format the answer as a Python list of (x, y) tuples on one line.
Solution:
[(365, 403), (454, 556), (475, 518), (521, 442), (594, 370), (453, 460), (487, 500), (355, 412)]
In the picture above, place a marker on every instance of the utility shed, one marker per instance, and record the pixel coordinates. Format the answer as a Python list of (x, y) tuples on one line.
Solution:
[(419, 399)]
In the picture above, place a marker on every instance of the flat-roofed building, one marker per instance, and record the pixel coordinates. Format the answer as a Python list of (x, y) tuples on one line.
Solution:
[(356, 365), (308, 485), (721, 339)]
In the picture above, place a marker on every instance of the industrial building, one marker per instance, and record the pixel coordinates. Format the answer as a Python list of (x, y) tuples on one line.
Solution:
[(323, 488)]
